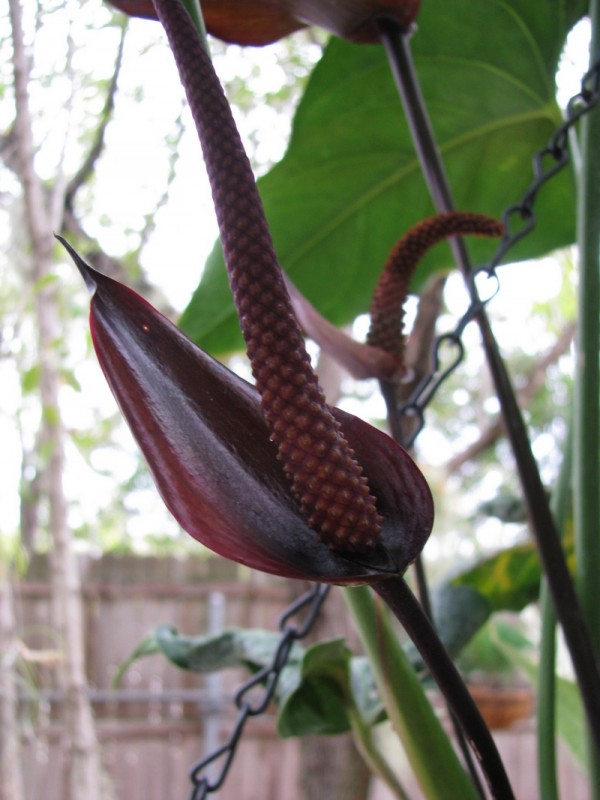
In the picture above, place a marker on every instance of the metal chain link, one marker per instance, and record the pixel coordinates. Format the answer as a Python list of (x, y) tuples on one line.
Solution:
[(309, 603), (519, 220), (547, 162)]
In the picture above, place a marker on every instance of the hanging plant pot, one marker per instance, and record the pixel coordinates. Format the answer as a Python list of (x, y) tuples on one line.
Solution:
[(502, 706), (266, 21)]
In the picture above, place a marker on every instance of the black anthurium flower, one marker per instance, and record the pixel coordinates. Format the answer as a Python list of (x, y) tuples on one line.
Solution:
[(204, 436), (271, 476)]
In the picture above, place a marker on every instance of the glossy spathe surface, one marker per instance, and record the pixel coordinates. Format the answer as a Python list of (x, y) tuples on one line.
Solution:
[(202, 432)]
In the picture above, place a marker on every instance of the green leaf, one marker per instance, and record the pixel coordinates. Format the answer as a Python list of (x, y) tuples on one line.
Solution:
[(69, 378), (234, 647), (482, 655), (317, 703), (365, 692), (30, 379), (350, 183), (508, 580), (46, 280), (147, 647), (253, 649), (427, 746), (459, 612)]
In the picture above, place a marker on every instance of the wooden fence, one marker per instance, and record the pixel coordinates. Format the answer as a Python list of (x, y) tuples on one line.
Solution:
[(162, 720)]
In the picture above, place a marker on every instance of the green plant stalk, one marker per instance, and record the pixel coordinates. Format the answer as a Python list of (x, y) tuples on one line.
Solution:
[(586, 470), (566, 600), (195, 11), (378, 765), (427, 746), (546, 705)]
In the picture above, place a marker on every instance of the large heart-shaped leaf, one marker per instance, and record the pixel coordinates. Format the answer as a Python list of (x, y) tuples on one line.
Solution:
[(350, 184)]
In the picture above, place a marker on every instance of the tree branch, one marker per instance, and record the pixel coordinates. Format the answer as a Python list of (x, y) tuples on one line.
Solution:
[(113, 267), (534, 382), (88, 166)]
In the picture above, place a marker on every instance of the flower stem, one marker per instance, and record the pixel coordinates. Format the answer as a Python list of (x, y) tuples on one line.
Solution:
[(546, 704), (433, 760), (194, 9), (363, 739), (566, 602), (587, 382), (546, 709), (415, 622)]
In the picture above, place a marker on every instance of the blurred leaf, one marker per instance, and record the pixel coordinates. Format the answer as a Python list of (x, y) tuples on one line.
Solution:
[(508, 580), (147, 647), (350, 183), (317, 703), (459, 612), (69, 378), (482, 654), (30, 379), (51, 416), (235, 647), (314, 686), (364, 691), (505, 507), (44, 281)]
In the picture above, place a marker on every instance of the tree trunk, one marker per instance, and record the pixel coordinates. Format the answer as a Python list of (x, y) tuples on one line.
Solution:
[(11, 776), (83, 763)]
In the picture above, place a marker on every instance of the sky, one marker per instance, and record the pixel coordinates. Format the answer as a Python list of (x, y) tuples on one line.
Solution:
[(129, 180)]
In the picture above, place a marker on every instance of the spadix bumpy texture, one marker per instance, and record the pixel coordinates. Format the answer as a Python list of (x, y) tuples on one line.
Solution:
[(326, 479), (387, 314)]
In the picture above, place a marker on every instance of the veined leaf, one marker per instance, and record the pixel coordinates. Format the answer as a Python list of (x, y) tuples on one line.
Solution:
[(350, 183)]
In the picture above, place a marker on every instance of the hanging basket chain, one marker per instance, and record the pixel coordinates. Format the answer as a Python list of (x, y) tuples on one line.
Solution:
[(308, 604), (546, 164), (519, 220)]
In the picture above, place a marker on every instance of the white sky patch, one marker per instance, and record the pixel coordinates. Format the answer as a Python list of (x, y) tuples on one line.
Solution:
[(574, 62)]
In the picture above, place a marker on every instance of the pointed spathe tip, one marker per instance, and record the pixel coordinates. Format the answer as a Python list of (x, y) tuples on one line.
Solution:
[(85, 270)]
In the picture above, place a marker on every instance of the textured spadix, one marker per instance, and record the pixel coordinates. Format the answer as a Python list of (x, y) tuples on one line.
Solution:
[(205, 439)]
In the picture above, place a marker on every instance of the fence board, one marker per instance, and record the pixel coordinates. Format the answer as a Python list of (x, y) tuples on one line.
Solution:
[(154, 731)]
